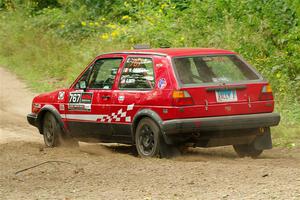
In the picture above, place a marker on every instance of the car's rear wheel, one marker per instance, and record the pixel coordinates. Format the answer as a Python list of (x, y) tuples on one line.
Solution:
[(147, 138), (53, 133), (244, 150), (149, 141)]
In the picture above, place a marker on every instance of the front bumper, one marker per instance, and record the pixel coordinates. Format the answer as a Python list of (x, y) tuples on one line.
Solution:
[(32, 119), (233, 122)]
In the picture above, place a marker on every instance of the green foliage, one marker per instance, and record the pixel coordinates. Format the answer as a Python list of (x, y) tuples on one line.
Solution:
[(56, 38)]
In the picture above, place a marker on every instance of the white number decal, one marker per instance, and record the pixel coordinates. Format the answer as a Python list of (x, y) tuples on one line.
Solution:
[(75, 97)]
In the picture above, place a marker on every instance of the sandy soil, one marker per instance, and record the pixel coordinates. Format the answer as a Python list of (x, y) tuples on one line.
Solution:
[(95, 171)]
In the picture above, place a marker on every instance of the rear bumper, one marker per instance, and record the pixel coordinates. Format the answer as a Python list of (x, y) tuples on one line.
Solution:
[(235, 122), (32, 119)]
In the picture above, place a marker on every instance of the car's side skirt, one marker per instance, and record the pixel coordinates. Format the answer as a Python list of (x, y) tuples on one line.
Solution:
[(102, 132)]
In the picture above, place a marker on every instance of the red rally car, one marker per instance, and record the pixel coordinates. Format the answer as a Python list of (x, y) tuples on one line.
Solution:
[(160, 99)]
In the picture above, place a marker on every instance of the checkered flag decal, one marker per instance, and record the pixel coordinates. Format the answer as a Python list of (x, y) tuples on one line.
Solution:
[(117, 116)]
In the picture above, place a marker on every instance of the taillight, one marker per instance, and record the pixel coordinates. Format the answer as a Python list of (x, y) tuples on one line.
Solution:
[(182, 98), (266, 93)]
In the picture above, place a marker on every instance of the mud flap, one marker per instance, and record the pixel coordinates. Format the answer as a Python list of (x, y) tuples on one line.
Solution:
[(167, 139), (167, 149), (263, 141)]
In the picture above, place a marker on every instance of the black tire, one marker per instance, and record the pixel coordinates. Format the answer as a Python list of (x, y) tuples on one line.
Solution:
[(149, 141), (147, 138), (51, 131), (54, 135), (244, 150)]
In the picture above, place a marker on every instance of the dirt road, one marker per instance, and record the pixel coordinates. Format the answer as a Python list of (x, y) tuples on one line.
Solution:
[(94, 171)]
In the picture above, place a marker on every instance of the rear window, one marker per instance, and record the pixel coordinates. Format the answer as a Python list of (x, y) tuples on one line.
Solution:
[(212, 69)]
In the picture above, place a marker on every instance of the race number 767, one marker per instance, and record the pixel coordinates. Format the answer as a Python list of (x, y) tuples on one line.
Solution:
[(74, 97)]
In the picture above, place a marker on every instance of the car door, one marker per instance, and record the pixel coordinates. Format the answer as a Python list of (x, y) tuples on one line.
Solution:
[(135, 90), (88, 113)]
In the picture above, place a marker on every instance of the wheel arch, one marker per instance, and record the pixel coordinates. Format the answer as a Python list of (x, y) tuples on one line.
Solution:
[(152, 115), (41, 115)]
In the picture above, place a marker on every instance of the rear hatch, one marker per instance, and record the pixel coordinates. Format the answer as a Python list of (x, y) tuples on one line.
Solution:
[(218, 85)]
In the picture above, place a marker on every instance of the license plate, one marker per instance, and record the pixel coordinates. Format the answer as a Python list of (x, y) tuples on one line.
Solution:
[(226, 95)]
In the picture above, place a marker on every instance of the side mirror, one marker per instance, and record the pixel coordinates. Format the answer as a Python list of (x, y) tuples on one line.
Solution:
[(82, 85)]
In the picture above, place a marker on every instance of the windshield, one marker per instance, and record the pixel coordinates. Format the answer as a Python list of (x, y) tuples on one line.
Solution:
[(212, 69)]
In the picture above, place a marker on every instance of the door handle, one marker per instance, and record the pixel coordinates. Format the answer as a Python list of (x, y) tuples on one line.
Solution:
[(105, 96)]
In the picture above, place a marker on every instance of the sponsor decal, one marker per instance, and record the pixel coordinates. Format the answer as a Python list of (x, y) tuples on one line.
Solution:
[(86, 97), (137, 62), (61, 95), (130, 80), (121, 98), (80, 107), (136, 70), (162, 83), (61, 107), (87, 106), (81, 97), (80, 101), (75, 97), (120, 115)]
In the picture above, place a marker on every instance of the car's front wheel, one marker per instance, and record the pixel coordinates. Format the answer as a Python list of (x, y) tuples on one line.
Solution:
[(53, 133)]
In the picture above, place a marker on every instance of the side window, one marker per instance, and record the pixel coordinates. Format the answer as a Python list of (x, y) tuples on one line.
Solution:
[(186, 70), (84, 77), (104, 73), (137, 74)]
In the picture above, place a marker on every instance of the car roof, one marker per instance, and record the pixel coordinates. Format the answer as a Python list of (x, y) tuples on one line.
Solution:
[(174, 52)]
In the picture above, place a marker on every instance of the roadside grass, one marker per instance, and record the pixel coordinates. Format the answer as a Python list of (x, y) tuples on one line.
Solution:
[(286, 136), (45, 61)]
